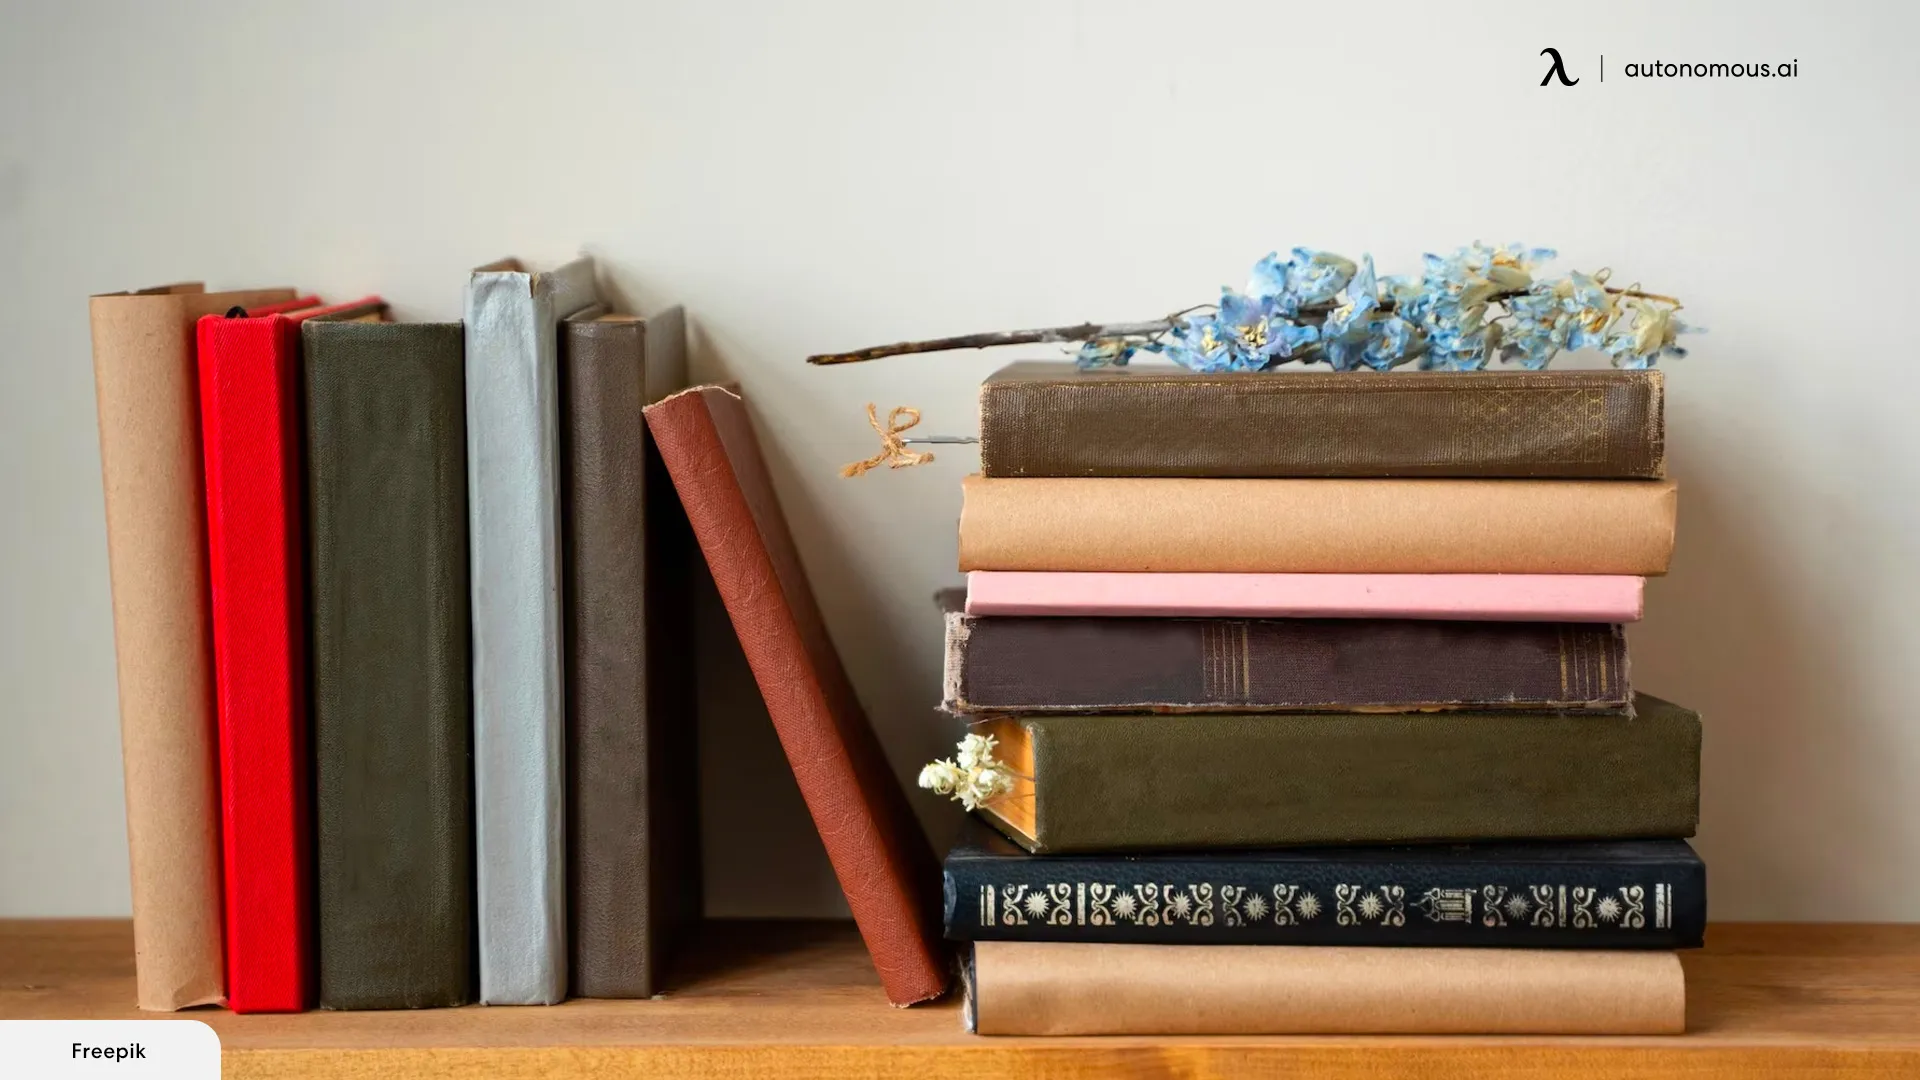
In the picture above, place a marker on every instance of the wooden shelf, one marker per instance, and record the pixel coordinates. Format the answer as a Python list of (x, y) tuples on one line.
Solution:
[(800, 999)]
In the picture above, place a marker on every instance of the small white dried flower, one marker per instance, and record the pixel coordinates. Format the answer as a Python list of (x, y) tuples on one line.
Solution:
[(972, 777), (940, 777), (976, 751)]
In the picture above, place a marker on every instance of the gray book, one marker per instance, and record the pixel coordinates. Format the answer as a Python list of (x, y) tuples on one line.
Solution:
[(518, 681)]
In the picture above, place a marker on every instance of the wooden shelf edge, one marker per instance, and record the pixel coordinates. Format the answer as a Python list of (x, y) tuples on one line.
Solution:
[(801, 1000), (1085, 1059)]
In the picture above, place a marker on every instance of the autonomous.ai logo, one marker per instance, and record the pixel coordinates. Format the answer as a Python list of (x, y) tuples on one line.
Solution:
[(1557, 71)]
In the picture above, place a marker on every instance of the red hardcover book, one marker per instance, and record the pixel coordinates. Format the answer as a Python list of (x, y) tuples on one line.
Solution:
[(879, 854), (249, 418)]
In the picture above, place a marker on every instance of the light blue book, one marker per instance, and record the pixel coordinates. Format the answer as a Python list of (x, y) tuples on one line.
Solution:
[(519, 715)]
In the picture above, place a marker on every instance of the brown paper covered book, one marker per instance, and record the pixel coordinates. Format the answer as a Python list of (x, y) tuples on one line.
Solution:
[(1071, 988), (147, 388), (1318, 526)]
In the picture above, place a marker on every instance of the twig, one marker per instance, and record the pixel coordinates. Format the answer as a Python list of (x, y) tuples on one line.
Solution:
[(1310, 313), (1082, 332)]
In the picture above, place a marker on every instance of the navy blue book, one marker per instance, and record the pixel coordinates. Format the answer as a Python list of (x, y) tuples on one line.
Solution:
[(1635, 894)]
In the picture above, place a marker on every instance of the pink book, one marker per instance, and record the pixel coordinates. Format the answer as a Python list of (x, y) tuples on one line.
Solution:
[(1509, 597)]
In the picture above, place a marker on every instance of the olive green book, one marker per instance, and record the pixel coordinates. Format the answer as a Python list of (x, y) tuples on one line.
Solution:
[(1139, 782)]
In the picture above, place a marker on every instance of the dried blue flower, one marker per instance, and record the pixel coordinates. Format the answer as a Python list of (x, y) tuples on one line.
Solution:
[(1647, 337), (1269, 278), (1476, 306), (1258, 332), (1358, 301), (1101, 352), (1394, 341), (1201, 343), (1314, 277)]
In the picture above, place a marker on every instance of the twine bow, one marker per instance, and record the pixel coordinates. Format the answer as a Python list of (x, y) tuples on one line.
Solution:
[(893, 448)]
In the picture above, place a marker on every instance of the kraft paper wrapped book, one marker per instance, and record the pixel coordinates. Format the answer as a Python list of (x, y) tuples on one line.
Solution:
[(147, 388), (1072, 988), (1318, 526)]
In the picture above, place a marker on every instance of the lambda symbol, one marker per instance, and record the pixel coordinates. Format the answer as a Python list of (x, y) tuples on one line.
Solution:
[(1558, 70)]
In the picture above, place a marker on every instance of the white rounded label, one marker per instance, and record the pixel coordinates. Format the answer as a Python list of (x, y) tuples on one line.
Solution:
[(109, 1049)]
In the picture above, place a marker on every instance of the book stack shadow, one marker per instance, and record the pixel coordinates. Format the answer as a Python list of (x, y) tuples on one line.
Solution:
[(1315, 698)]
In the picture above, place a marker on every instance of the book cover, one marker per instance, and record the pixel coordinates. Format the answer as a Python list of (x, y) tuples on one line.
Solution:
[(392, 720), (1599, 598), (883, 861), (519, 721), (1126, 525), (1145, 782), (250, 431), (146, 391), (1627, 894), (1073, 664), (1068, 988), (632, 808), (1052, 419)]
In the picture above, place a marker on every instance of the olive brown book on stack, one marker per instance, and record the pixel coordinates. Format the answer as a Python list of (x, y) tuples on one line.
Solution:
[(1316, 696)]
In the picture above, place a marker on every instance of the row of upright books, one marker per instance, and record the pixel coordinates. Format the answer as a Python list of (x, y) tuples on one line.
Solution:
[(400, 622), (1314, 694)]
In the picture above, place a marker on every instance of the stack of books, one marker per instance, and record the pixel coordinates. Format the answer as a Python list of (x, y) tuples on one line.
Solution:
[(1314, 693)]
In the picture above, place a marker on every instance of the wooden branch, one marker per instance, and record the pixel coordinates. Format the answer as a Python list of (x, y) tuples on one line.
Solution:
[(1082, 332), (1311, 314)]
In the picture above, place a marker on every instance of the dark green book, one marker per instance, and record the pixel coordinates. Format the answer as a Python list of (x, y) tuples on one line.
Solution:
[(392, 698), (1139, 782)]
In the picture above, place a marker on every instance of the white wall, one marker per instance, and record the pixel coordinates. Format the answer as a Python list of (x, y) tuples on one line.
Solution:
[(826, 176)]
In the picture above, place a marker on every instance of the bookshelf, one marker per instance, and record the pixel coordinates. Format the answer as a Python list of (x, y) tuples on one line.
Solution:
[(799, 999)]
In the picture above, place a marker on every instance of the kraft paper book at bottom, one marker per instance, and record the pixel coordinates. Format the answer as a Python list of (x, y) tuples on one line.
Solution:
[(1066, 988)]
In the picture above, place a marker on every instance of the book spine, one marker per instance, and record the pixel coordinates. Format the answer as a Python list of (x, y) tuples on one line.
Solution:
[(392, 717), (1574, 424), (1402, 902), (1068, 664), (879, 855), (1354, 778), (518, 700), (250, 427), (145, 382), (1064, 988), (1125, 525), (625, 570), (1596, 598)]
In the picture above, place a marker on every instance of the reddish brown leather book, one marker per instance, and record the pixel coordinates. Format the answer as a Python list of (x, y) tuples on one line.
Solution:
[(883, 861)]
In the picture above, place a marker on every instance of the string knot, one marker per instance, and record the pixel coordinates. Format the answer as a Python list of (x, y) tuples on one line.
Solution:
[(893, 448)]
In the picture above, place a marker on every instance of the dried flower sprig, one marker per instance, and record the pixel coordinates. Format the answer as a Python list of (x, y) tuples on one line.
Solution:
[(972, 777), (1479, 306)]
